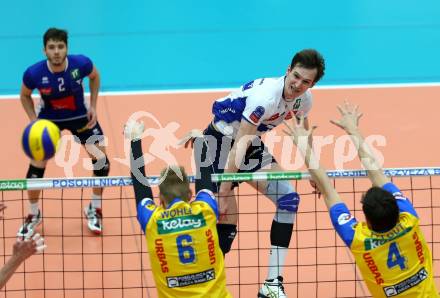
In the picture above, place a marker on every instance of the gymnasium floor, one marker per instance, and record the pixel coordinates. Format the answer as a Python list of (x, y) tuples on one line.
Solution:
[(180, 45), (81, 265)]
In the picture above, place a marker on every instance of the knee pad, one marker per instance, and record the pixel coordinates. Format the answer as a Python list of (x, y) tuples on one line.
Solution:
[(285, 198), (280, 234), (226, 235), (34, 172), (101, 167)]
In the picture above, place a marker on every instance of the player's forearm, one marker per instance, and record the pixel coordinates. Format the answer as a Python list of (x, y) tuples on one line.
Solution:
[(28, 106), (94, 85), (231, 164), (331, 197), (368, 160), (203, 176), (319, 176), (137, 172), (9, 268)]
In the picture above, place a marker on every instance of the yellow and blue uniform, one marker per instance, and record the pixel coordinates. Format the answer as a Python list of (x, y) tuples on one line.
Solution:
[(394, 263), (183, 246)]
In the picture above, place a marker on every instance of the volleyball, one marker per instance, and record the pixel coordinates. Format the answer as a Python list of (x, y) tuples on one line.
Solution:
[(40, 139)]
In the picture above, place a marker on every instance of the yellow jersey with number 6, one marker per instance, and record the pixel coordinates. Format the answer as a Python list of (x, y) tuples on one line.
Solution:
[(185, 255)]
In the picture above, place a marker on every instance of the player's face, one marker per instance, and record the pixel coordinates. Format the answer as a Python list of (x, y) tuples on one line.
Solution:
[(298, 80), (56, 52)]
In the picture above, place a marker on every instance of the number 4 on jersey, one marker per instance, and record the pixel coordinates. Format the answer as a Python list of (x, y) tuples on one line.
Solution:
[(395, 258)]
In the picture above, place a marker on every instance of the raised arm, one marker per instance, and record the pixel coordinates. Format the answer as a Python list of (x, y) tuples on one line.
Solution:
[(133, 131), (349, 123), (203, 172), (301, 137), (22, 249)]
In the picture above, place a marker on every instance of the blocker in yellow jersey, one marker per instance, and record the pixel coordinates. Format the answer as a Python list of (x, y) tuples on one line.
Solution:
[(183, 244), (184, 250), (397, 262)]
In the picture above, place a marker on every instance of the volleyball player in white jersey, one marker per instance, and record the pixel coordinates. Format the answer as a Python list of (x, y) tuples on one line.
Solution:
[(239, 120)]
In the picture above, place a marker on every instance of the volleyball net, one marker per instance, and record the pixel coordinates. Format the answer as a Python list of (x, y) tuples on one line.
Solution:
[(77, 263)]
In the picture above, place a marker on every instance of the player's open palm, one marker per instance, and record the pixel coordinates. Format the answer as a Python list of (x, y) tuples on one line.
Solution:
[(350, 117), (297, 131)]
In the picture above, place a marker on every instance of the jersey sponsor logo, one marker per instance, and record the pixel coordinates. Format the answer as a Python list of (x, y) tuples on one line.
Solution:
[(419, 248), (45, 91), (227, 110), (296, 105), (288, 116), (44, 80), (65, 103), (344, 218), (150, 207), (75, 74), (176, 212), (399, 196), (160, 254), (369, 261), (178, 224), (190, 279), (13, 185), (408, 283), (274, 117), (146, 201), (257, 114), (211, 246), (248, 85), (380, 239)]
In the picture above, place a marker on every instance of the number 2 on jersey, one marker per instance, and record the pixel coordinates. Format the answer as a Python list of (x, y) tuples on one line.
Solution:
[(395, 258), (186, 251), (61, 87)]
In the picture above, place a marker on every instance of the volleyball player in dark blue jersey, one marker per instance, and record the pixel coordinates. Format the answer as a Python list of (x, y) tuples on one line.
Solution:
[(59, 80)]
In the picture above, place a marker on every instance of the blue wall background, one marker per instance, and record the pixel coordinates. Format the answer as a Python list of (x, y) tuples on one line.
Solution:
[(144, 45)]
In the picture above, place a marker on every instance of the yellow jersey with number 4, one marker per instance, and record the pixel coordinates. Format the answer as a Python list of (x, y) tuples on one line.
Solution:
[(396, 263)]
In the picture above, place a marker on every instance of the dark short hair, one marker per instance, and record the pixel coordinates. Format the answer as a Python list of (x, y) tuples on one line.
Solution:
[(174, 186), (310, 59), (55, 34), (380, 209)]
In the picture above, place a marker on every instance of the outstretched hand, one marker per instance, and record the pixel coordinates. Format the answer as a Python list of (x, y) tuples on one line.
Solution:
[(133, 130), (350, 117), (24, 248), (189, 138), (297, 131)]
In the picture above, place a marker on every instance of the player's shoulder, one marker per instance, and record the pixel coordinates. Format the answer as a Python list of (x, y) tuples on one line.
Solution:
[(148, 205), (274, 88), (267, 91), (78, 60), (273, 85), (205, 195), (36, 68)]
